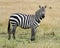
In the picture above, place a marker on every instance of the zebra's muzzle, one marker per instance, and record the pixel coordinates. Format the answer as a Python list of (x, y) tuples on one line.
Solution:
[(43, 16)]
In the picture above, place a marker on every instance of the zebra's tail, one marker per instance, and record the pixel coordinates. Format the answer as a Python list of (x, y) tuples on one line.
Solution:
[(8, 26)]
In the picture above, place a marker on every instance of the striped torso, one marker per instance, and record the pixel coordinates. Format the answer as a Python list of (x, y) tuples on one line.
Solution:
[(23, 20)]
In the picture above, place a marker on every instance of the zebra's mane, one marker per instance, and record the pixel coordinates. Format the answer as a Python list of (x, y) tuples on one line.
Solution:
[(32, 15)]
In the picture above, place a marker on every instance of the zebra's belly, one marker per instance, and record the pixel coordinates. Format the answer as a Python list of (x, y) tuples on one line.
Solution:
[(25, 26)]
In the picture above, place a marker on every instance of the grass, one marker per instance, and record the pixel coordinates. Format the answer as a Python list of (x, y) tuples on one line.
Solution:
[(44, 38), (48, 33)]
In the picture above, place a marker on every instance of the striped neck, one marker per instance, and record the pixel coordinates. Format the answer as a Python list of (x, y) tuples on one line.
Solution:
[(37, 19)]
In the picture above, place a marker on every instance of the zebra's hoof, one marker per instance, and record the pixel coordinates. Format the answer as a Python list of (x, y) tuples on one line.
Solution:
[(32, 39), (8, 38), (14, 38)]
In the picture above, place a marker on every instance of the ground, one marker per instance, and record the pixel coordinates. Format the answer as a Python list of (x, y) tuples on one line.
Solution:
[(48, 33)]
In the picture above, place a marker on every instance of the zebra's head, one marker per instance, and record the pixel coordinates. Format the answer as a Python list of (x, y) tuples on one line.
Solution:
[(40, 13)]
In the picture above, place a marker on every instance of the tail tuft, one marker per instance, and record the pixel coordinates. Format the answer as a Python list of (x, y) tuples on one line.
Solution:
[(8, 26)]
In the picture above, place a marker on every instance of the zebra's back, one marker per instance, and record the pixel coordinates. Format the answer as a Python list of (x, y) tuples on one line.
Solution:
[(21, 20)]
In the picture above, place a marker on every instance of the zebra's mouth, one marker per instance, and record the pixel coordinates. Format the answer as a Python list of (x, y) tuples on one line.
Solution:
[(43, 16)]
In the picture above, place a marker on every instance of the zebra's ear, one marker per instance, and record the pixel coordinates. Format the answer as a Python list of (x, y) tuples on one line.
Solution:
[(39, 6), (45, 6)]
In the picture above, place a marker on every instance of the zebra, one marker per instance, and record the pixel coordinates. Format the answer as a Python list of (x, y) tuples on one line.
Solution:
[(25, 21)]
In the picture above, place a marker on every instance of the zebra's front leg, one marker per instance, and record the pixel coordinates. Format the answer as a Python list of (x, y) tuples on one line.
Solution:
[(33, 32)]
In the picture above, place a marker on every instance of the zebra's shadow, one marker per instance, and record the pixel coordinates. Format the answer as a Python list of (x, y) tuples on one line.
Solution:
[(3, 34), (23, 37)]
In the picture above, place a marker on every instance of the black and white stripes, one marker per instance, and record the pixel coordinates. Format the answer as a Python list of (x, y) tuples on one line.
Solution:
[(26, 21), (23, 20)]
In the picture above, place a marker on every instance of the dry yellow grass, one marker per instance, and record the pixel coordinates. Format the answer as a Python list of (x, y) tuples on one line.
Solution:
[(51, 23), (29, 7)]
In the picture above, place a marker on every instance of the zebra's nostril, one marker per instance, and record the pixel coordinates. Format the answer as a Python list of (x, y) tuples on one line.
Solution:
[(43, 16)]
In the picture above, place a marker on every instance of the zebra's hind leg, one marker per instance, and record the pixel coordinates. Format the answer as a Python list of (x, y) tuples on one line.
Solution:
[(9, 34), (13, 31), (33, 32)]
